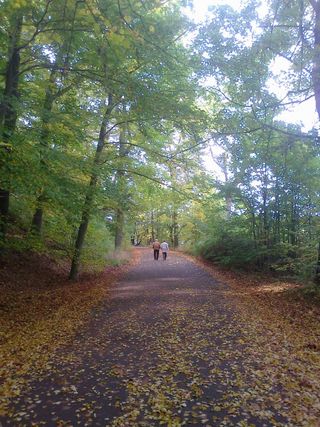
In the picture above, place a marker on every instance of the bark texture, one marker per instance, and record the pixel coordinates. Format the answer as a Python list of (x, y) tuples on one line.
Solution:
[(89, 199)]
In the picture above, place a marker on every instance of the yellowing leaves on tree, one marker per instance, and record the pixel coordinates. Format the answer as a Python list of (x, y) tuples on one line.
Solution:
[(119, 39), (132, 67), (17, 4), (127, 18), (96, 28)]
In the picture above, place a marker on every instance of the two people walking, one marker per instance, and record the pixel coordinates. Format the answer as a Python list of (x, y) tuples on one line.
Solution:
[(156, 249)]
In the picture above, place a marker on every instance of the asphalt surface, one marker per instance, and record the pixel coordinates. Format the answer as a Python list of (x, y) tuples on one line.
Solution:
[(165, 349)]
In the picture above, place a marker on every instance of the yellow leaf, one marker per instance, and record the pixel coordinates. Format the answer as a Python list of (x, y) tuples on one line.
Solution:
[(127, 19)]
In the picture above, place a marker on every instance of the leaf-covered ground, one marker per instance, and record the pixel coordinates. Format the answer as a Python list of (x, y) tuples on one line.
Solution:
[(282, 329), (40, 311), (170, 345)]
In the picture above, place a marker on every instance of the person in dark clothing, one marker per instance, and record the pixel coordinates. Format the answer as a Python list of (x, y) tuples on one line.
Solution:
[(156, 248)]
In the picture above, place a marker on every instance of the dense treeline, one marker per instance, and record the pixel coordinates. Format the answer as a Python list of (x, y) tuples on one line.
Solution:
[(90, 95), (263, 210), (107, 109), (271, 168)]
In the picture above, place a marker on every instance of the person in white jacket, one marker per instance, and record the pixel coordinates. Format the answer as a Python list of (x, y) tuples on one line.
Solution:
[(164, 248)]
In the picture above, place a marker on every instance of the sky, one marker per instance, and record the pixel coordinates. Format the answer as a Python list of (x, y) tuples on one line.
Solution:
[(200, 7)]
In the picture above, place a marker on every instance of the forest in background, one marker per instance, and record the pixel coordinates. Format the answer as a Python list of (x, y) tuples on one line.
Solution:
[(107, 108)]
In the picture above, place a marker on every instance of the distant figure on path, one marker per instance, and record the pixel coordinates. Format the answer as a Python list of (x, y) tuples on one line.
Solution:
[(165, 248), (156, 248)]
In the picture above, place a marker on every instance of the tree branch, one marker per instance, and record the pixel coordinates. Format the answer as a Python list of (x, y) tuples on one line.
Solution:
[(37, 31)]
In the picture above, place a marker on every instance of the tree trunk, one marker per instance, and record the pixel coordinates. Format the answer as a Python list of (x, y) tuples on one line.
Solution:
[(222, 162), (51, 95), (277, 214), (316, 55), (316, 86), (121, 192), (8, 113), (36, 225), (254, 227), (119, 229), (265, 217), (152, 226), (293, 225), (4, 209), (316, 278), (90, 194), (82, 231), (228, 197), (174, 228), (175, 233)]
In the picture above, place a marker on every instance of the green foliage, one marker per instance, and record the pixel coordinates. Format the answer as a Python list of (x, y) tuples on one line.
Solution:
[(113, 111), (100, 92), (312, 292), (232, 251), (98, 244), (298, 260)]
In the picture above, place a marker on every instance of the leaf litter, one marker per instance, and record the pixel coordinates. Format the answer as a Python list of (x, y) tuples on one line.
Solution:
[(185, 352), (41, 311)]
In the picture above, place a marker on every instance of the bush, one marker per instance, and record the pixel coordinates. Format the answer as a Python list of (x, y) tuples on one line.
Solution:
[(239, 251), (232, 251), (294, 260)]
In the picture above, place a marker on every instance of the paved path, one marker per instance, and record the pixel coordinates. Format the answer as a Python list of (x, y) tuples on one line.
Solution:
[(167, 349)]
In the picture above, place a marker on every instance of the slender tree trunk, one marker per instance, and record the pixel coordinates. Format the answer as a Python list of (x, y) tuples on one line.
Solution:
[(285, 201), (4, 210), (8, 113), (265, 217), (175, 231), (37, 217), (224, 167), (316, 85), (293, 227), (36, 225), (52, 93), (82, 231), (265, 213), (174, 216), (90, 194), (310, 220), (254, 226), (119, 229), (152, 226), (137, 233), (228, 197), (316, 278), (316, 55), (277, 215), (122, 192)]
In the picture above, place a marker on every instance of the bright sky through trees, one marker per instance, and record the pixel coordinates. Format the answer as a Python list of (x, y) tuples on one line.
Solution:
[(304, 113)]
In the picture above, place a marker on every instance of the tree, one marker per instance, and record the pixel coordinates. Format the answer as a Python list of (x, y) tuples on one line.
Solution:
[(23, 24), (8, 108)]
